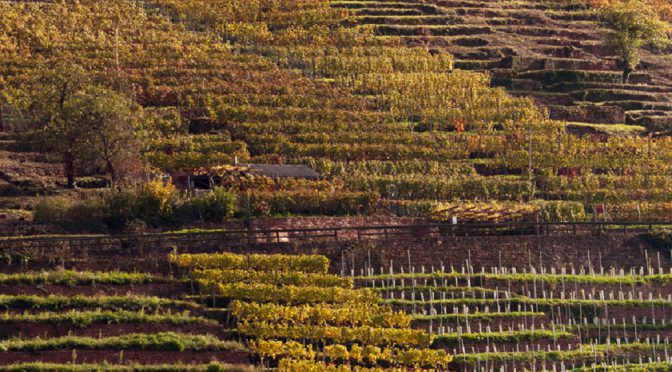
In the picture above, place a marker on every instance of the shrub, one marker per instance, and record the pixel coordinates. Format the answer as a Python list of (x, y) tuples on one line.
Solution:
[(51, 211), (213, 207), (87, 215), (156, 202), (113, 211), (121, 209)]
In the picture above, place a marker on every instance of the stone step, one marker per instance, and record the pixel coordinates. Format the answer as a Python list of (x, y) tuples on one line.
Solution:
[(548, 32), (478, 65), (482, 53), (388, 12), (447, 43), (530, 15), (571, 16), (641, 113), (509, 5), (640, 105), (603, 130), (535, 63), (431, 20), (567, 51), (517, 84), (588, 113), (470, 42), (550, 77), (531, 24), (545, 98), (401, 30), (604, 95), (423, 8), (503, 21), (653, 123), (567, 87)]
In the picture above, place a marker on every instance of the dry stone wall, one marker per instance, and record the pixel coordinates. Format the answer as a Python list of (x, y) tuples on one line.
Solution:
[(585, 250)]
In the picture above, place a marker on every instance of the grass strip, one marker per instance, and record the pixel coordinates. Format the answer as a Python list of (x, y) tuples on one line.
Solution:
[(453, 339), (164, 341), (528, 277), (438, 288), (57, 302), (478, 316), (53, 367), (542, 303), (585, 352), (643, 367), (86, 318), (72, 278)]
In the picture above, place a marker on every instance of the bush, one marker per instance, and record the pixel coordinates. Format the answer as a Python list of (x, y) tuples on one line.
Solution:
[(51, 211), (213, 207), (121, 209), (87, 215), (159, 205), (156, 202), (153, 204)]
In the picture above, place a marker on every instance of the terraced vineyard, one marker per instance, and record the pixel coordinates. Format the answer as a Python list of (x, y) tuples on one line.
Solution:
[(66, 320), (552, 51), (396, 123), (540, 319), (474, 110), (219, 312), (228, 311)]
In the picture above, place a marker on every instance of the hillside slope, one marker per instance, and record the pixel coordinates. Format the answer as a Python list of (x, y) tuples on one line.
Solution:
[(376, 96), (551, 51)]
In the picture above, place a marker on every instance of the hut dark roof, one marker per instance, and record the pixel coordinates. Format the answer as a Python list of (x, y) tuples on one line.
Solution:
[(285, 171)]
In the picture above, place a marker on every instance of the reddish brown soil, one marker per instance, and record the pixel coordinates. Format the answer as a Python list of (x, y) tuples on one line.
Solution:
[(513, 346), (33, 330), (168, 290), (193, 311), (570, 286), (127, 357), (494, 323)]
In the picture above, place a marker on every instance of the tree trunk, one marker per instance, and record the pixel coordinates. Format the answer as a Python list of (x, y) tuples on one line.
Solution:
[(626, 74), (113, 173), (627, 67), (69, 162)]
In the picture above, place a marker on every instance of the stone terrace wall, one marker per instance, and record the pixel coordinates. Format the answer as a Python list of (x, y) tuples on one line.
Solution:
[(23, 228), (619, 251), (614, 250), (333, 222)]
